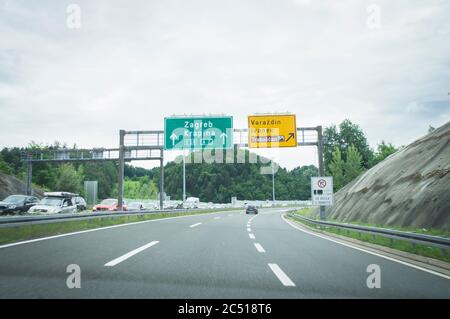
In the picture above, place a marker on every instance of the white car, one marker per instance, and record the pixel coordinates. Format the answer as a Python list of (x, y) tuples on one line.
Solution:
[(55, 203)]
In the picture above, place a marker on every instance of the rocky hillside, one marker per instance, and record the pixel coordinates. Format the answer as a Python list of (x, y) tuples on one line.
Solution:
[(410, 188), (10, 185)]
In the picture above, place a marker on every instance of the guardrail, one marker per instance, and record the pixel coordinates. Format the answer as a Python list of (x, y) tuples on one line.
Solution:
[(15, 220), (414, 238)]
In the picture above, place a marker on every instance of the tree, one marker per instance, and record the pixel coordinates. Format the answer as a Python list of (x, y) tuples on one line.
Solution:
[(69, 179), (348, 134), (352, 166), (332, 140), (336, 168), (5, 167), (105, 173), (383, 150)]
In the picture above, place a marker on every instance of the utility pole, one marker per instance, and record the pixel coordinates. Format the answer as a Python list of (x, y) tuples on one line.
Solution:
[(273, 185), (29, 190), (321, 166), (184, 178), (121, 170), (161, 182)]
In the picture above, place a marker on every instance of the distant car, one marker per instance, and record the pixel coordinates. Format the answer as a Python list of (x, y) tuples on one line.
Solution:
[(17, 204), (251, 209), (109, 204), (80, 202), (55, 203), (135, 206)]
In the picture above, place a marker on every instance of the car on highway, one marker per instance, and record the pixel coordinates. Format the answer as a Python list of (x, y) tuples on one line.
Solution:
[(109, 204), (80, 203), (135, 206), (55, 203), (14, 204), (251, 209)]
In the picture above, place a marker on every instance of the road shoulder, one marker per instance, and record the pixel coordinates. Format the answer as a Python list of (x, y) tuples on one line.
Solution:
[(432, 265)]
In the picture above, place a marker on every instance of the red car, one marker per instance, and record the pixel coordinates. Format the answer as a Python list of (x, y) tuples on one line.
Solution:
[(109, 204)]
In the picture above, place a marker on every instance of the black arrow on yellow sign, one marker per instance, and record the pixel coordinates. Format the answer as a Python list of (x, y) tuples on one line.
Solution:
[(291, 135)]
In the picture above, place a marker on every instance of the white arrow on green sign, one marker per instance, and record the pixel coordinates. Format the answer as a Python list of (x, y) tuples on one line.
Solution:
[(196, 133)]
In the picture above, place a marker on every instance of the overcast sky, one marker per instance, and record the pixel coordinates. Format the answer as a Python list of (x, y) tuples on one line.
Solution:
[(131, 63)]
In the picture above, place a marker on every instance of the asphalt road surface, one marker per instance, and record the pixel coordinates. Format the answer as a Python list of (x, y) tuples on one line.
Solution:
[(222, 255)]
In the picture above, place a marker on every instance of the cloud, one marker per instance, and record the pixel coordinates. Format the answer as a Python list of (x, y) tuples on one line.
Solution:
[(129, 66)]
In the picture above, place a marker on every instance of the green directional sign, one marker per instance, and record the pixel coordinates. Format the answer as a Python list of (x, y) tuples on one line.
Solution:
[(197, 133)]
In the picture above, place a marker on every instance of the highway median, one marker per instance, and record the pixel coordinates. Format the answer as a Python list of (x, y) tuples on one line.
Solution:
[(29, 231)]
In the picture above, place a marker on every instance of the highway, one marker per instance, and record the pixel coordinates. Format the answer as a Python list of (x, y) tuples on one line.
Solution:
[(220, 255)]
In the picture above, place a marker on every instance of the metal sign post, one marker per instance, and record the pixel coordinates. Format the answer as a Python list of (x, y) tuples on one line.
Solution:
[(131, 145), (321, 166), (184, 178)]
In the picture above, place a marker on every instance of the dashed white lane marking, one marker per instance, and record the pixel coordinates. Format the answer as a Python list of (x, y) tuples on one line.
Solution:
[(195, 225), (217, 217), (130, 254), (230, 215), (366, 251), (259, 248), (285, 280), (249, 229), (251, 236), (99, 229)]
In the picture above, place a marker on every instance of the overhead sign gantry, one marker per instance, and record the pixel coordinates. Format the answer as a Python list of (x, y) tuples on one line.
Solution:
[(191, 133)]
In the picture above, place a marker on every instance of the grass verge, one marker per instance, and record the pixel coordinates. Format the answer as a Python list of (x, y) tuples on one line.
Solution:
[(33, 231), (398, 244)]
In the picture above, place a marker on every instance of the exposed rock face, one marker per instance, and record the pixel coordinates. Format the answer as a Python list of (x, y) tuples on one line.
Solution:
[(10, 185), (410, 188)]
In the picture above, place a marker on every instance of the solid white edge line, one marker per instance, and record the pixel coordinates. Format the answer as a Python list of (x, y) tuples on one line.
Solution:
[(100, 228), (118, 260), (367, 251), (251, 236), (285, 280), (195, 225), (259, 248)]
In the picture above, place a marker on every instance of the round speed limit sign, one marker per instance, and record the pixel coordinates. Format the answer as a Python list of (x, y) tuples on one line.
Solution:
[(321, 183)]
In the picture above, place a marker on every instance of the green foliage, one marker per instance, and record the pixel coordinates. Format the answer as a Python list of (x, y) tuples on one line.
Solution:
[(69, 179), (105, 173), (219, 182), (347, 135), (4, 166), (336, 169), (342, 171), (346, 153), (140, 188), (352, 166), (383, 151)]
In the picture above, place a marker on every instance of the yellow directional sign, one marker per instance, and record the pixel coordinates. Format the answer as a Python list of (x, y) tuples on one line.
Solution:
[(272, 131)]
